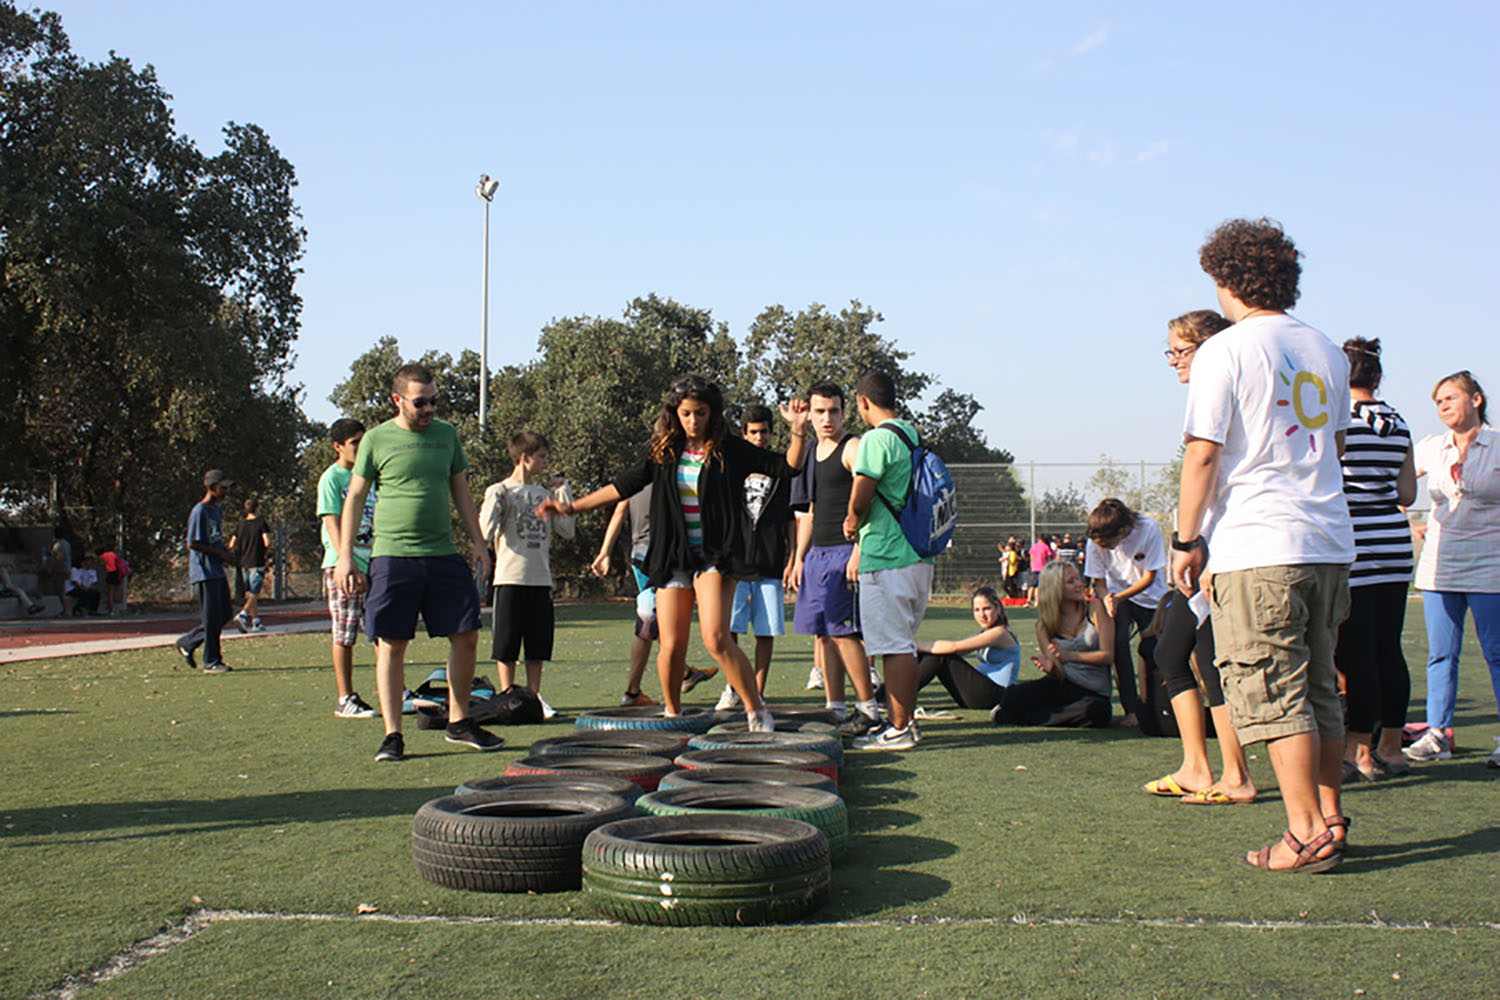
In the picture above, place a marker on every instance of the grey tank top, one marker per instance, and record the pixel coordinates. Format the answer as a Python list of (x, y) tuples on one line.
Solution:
[(1089, 676)]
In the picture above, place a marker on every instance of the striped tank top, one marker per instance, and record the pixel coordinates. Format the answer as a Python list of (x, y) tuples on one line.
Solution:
[(689, 469), (1375, 447)]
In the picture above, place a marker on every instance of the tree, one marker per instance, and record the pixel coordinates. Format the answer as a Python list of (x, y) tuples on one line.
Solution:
[(147, 299), (785, 353), (948, 429)]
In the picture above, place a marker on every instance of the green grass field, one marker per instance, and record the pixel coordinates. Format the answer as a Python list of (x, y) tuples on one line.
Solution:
[(990, 862)]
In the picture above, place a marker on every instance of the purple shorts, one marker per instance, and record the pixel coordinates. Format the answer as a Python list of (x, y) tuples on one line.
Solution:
[(440, 588), (827, 604)]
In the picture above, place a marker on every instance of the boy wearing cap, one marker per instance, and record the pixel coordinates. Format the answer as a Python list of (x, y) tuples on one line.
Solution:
[(206, 556)]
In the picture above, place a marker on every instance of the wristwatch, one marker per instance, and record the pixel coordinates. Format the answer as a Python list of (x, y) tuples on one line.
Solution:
[(1188, 546)]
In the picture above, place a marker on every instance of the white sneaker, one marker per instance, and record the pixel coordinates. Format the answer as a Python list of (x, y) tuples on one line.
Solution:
[(760, 722), (888, 737), (1493, 760), (1432, 745), (814, 679), (728, 701), (547, 710), (352, 706), (258, 626)]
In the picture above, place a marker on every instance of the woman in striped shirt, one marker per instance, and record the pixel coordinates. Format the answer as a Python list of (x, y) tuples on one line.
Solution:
[(1379, 480), (699, 528)]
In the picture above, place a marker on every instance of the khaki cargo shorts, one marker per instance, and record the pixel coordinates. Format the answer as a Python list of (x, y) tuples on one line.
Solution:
[(1275, 628)]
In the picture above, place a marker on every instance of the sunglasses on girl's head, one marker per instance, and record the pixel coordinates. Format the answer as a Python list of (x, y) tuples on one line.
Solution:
[(693, 384)]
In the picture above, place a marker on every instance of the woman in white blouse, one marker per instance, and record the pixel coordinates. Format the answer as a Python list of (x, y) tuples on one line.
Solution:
[(1459, 570)]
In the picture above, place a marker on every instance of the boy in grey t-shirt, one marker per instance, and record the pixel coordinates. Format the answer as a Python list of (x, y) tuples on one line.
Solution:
[(523, 567)]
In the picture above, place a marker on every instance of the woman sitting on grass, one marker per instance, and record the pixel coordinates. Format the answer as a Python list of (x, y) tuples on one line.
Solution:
[(1077, 648), (999, 657)]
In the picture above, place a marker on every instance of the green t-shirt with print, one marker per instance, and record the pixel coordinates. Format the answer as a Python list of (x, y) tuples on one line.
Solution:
[(884, 458), (332, 488), (411, 471)]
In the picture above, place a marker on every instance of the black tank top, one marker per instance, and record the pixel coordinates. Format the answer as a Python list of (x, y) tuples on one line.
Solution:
[(832, 484)]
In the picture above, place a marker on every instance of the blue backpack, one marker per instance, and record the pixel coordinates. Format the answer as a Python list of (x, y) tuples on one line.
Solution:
[(929, 513)]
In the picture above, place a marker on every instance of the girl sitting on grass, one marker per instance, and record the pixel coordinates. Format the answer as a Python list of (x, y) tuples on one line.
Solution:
[(1077, 642), (998, 655), (697, 471)]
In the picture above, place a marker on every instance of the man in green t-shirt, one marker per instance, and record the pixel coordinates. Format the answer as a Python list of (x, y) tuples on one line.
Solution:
[(345, 611), (416, 464), (894, 582)]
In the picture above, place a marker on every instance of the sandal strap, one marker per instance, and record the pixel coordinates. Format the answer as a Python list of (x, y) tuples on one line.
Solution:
[(1308, 852), (1333, 821)]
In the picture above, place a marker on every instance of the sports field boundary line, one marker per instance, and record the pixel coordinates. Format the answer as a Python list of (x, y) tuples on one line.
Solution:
[(196, 921)]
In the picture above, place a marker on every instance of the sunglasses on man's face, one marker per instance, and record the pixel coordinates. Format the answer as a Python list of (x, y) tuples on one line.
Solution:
[(422, 402)]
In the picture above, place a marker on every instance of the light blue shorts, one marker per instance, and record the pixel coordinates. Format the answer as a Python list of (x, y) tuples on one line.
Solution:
[(758, 604)]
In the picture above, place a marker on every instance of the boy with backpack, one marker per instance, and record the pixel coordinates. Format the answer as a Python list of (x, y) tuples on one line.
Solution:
[(902, 511), (523, 568)]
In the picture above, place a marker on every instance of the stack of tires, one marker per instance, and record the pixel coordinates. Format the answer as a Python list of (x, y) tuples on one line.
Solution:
[(661, 820)]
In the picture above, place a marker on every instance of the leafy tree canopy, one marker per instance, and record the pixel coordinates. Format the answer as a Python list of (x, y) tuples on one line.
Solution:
[(147, 299)]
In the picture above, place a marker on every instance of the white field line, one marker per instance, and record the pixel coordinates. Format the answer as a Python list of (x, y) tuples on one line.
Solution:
[(86, 647), (198, 920)]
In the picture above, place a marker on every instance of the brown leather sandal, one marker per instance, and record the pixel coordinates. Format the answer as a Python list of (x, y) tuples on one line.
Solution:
[(1307, 863), (1340, 822)]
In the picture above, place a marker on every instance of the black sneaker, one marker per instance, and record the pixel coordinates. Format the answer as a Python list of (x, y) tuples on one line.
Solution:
[(217, 668), (393, 747), (187, 654), (467, 732), (858, 724)]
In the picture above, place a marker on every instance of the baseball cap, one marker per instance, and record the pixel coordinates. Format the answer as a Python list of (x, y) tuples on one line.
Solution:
[(217, 477)]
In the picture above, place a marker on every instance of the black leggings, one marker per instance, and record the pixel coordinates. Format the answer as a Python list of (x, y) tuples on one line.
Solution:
[(1033, 703), (1128, 613), (1181, 636), (1376, 683), (965, 684)]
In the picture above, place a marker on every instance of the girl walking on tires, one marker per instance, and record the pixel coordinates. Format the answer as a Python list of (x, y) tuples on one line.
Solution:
[(697, 471)]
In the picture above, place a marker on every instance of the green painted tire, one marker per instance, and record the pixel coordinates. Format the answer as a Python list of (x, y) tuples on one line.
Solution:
[(823, 809), (704, 869)]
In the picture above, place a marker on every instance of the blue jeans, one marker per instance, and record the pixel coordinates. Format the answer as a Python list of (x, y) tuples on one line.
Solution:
[(1444, 611)]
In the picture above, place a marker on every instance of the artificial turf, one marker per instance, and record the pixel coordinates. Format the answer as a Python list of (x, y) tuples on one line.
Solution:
[(135, 793)]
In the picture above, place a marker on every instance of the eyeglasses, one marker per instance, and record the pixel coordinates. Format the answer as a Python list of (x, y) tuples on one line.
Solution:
[(422, 402), (1178, 353)]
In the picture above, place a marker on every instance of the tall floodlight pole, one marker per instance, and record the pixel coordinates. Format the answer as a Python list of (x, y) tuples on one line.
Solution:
[(485, 189)]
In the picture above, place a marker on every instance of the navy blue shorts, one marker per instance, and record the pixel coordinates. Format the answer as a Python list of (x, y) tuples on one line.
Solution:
[(826, 602), (441, 588)]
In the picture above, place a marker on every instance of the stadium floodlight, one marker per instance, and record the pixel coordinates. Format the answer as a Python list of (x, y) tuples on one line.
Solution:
[(485, 189)]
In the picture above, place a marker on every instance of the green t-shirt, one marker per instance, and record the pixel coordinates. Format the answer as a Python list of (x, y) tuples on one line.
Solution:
[(882, 457), (411, 470), (332, 488)]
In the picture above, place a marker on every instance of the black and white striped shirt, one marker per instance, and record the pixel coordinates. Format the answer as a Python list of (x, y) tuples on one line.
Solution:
[(1375, 447)]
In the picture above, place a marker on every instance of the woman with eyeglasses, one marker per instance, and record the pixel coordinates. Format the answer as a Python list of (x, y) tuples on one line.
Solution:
[(699, 529), (1184, 652), (1459, 569), (1379, 480)]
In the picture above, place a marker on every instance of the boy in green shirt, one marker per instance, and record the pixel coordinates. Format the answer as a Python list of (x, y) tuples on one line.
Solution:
[(894, 582), (418, 464), (346, 611)]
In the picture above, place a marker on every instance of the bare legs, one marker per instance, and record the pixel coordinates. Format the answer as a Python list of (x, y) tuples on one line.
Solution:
[(390, 676), (343, 670)]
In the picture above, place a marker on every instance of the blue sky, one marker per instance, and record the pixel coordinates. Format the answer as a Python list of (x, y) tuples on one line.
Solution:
[(1020, 191)]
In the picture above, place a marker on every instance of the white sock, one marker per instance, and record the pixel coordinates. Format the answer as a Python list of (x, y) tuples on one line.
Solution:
[(870, 708), (841, 707)]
